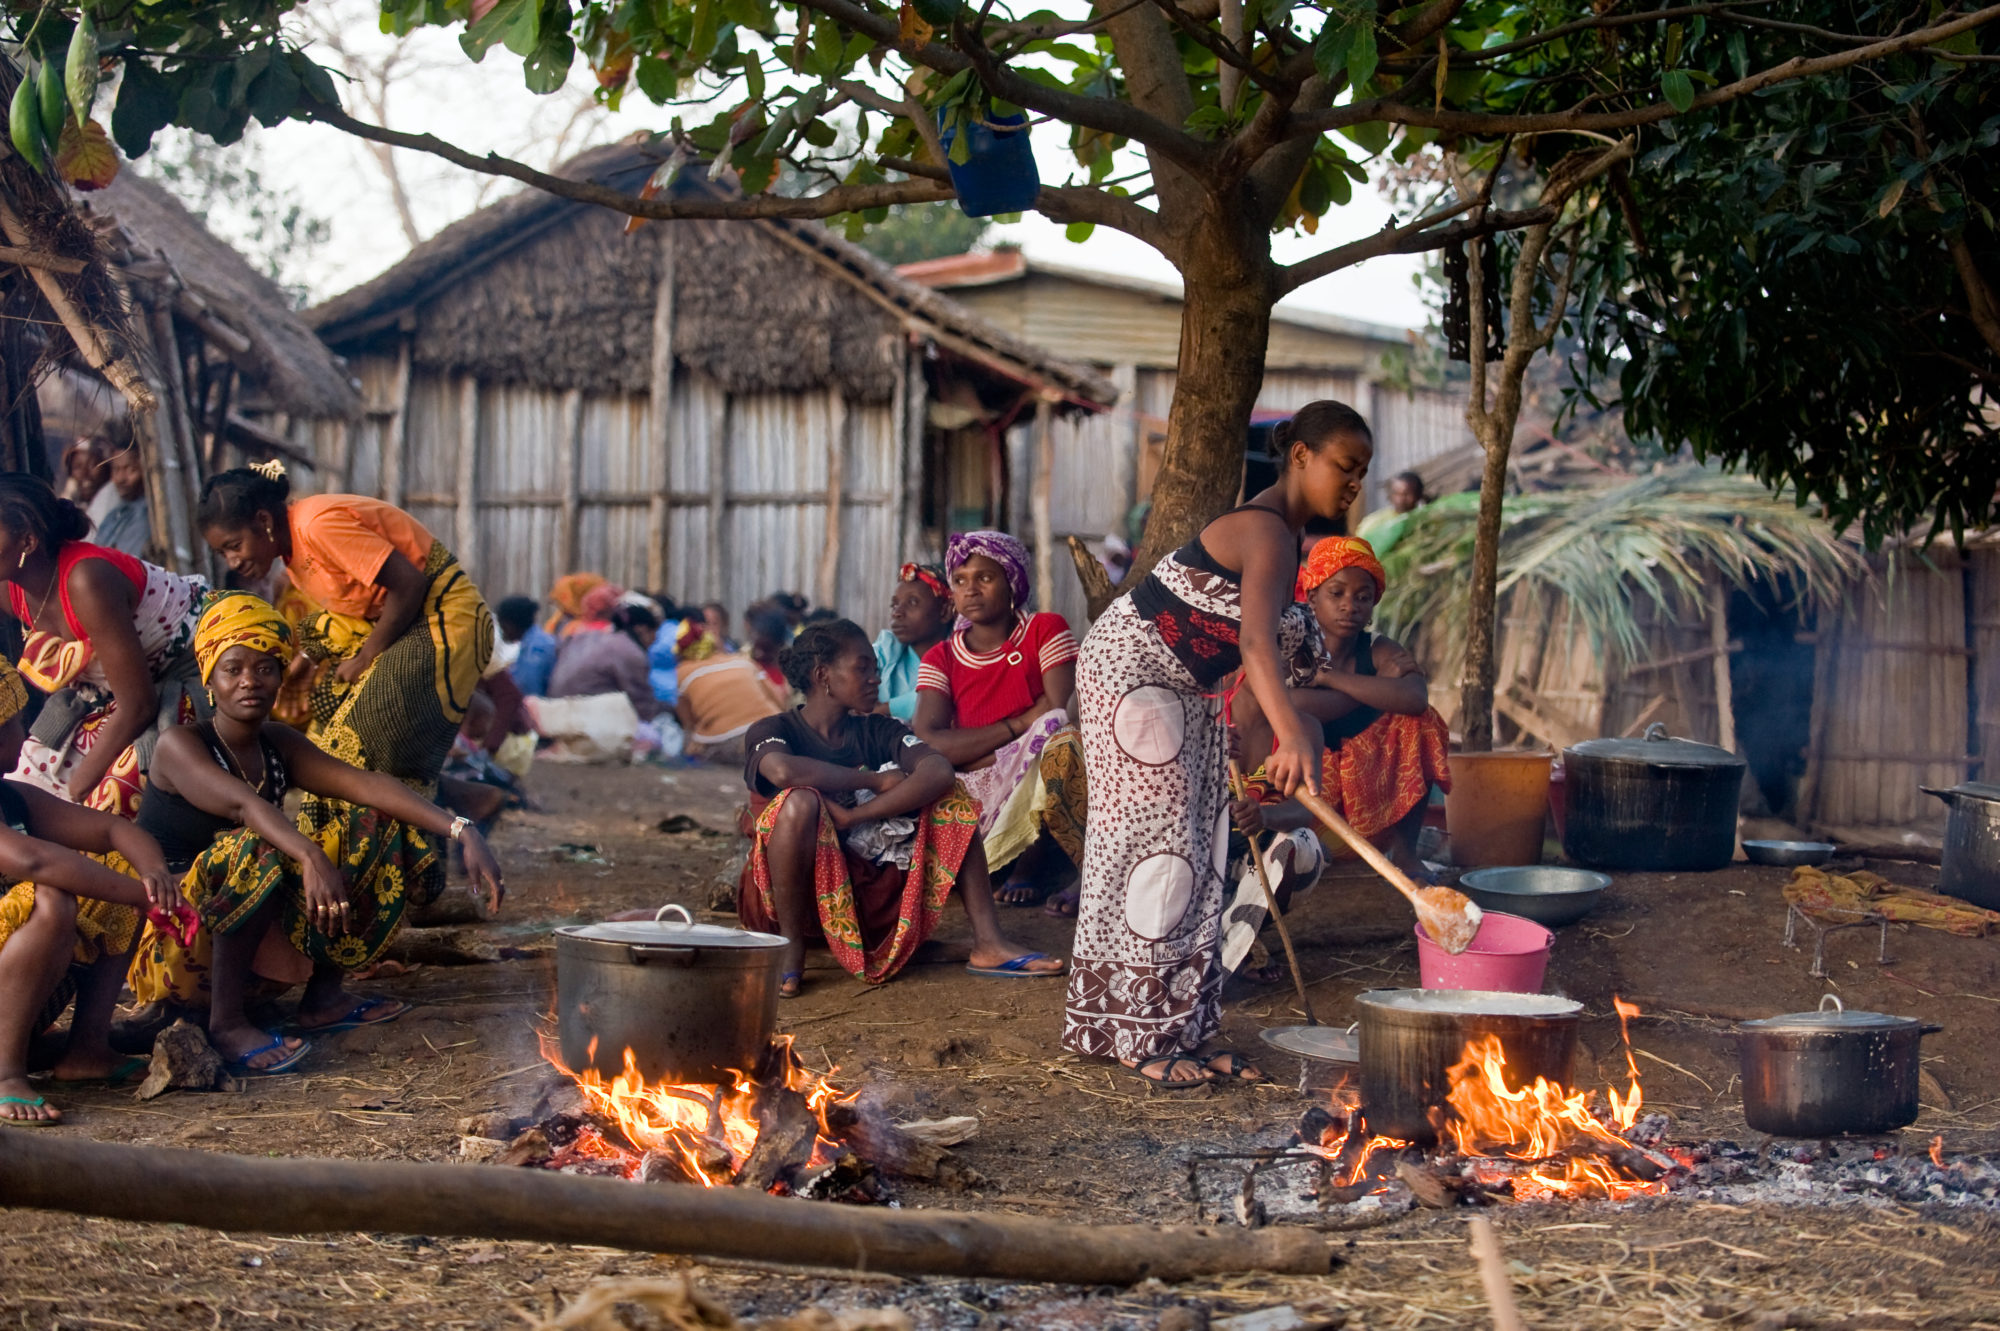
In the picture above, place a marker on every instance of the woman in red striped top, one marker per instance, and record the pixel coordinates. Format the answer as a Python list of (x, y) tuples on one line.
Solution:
[(990, 697)]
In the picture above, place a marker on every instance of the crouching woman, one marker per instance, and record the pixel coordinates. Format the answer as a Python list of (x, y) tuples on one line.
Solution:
[(862, 829), (296, 905), (53, 948)]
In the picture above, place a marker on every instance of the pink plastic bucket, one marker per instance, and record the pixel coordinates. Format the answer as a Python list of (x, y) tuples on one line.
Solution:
[(1508, 955)]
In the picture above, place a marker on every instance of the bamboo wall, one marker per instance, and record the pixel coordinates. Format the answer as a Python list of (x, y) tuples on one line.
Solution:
[(1890, 699), (1983, 589)]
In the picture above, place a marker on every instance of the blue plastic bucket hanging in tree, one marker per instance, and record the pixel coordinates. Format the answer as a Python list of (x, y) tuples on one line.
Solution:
[(998, 175)]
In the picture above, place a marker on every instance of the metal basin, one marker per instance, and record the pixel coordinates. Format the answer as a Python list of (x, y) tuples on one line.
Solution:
[(1788, 853), (1547, 894)]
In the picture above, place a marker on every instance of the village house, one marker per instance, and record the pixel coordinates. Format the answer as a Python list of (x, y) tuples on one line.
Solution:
[(709, 409)]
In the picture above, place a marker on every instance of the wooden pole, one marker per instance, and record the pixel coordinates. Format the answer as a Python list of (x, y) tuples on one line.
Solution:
[(123, 374), (176, 441), (1039, 498), (281, 1196), (1493, 1275), (826, 587), (1718, 643), (569, 469), (660, 387), (467, 542), (396, 444)]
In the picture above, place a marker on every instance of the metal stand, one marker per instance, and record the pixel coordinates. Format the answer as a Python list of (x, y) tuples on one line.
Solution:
[(1794, 917)]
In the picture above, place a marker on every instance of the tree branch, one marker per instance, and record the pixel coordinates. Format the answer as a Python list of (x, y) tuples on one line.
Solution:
[(1077, 203), (1562, 30), (1478, 123), (829, 203), (1411, 238)]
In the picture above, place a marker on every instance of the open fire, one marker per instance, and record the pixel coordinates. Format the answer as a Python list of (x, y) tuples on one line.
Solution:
[(780, 1128), (1538, 1140)]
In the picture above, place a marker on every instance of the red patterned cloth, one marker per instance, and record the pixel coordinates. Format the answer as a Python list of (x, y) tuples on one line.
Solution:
[(1334, 553), (873, 916), (1375, 778)]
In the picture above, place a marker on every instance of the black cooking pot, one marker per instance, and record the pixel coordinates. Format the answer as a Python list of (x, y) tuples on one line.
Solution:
[(1824, 1073), (1652, 804), (1971, 868)]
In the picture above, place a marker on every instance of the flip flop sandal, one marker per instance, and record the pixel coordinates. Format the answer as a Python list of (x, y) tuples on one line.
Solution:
[(8, 1120), (1064, 904), (1239, 1069), (241, 1067), (1164, 1079), (1016, 968), (790, 983), (1020, 895), (357, 1017)]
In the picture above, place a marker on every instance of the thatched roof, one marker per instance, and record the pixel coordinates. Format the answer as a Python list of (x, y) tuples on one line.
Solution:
[(147, 234), (547, 292)]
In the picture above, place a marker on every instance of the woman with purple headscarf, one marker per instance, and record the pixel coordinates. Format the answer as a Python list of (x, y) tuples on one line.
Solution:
[(990, 697)]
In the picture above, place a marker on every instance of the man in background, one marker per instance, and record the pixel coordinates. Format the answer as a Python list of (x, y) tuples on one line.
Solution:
[(128, 524)]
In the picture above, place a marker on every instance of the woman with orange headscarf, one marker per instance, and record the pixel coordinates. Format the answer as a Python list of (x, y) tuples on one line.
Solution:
[(1385, 745)]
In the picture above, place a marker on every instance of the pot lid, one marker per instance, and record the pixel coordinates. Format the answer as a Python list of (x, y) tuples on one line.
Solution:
[(662, 932), (1829, 1018), (1972, 790), (1470, 1002), (1657, 749)]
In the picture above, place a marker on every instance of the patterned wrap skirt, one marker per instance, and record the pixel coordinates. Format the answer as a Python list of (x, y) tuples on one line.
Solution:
[(401, 716), (1146, 972), (1011, 792), (874, 916), (388, 866)]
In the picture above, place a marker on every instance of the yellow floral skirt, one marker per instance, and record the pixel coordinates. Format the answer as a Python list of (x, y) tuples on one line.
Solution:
[(387, 866)]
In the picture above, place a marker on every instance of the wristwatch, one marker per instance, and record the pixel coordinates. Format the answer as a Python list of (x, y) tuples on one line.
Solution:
[(457, 829)]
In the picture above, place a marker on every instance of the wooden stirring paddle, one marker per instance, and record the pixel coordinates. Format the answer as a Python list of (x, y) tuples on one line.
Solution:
[(1447, 915)]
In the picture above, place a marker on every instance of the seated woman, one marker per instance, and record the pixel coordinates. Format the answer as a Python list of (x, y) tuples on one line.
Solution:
[(1385, 745), (920, 617), (610, 659), (335, 895), (991, 696), (722, 694), (48, 953), (859, 830)]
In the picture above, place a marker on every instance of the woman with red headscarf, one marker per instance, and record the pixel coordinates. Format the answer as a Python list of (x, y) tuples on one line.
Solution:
[(1385, 744)]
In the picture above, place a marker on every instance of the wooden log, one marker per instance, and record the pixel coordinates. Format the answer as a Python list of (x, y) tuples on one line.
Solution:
[(278, 1196), (55, 263)]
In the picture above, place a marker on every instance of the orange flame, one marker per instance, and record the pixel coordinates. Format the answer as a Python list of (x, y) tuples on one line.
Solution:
[(1937, 1150), (711, 1130), (1544, 1122), (1625, 1109)]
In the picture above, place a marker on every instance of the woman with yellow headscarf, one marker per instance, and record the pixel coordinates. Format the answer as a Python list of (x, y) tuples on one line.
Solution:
[(66, 922), (291, 904)]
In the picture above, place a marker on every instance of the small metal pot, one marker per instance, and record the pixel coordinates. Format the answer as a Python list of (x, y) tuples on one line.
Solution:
[(1971, 868), (1410, 1038), (693, 1002), (1825, 1073), (1651, 805)]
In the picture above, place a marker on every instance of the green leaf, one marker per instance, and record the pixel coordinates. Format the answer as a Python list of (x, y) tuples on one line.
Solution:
[(496, 25), (701, 42), (656, 78), (1078, 232), (80, 70), (1371, 135), (821, 135), (547, 66), (24, 124), (1362, 57), (313, 79), (1739, 55), (753, 75), (145, 106), (1677, 88), (273, 93)]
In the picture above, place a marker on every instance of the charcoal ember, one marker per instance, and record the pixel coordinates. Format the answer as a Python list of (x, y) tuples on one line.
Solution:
[(1429, 1187), (664, 1167), (563, 1129), (592, 1167), (1316, 1125), (845, 1178), (708, 1156), (1650, 1130), (559, 1097), (588, 1148), (530, 1148)]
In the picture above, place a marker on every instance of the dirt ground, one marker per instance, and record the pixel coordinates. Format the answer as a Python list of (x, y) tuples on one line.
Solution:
[(1063, 1138)]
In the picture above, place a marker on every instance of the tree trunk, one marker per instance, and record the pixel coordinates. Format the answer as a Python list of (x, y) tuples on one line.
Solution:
[(1230, 287), (1475, 706)]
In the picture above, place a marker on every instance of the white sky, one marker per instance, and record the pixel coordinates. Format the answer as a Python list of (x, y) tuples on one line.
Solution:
[(486, 108)]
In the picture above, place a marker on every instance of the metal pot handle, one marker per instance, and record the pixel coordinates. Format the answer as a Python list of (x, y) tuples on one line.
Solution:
[(1929, 1028), (1657, 731), (686, 916), (1946, 795), (1834, 999), (641, 953)]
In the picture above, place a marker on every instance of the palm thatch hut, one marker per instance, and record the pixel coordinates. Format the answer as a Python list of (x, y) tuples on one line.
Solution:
[(1726, 613), (711, 409), (126, 290)]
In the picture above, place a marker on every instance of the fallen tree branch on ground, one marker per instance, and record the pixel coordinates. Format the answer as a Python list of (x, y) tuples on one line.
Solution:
[(238, 1193)]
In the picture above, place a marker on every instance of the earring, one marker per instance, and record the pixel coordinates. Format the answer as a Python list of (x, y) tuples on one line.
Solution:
[(24, 561)]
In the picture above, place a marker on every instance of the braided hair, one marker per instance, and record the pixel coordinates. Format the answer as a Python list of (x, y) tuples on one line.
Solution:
[(819, 644), (29, 506), (231, 500)]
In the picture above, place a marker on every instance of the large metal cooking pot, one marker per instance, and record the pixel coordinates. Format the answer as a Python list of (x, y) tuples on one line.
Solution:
[(1820, 1074), (693, 1002), (1410, 1038), (1651, 804), (1971, 869)]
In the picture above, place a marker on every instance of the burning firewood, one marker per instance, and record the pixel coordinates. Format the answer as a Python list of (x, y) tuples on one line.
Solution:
[(896, 1152), (530, 1148), (786, 1132)]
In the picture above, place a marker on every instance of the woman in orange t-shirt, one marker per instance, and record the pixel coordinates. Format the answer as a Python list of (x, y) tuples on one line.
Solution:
[(406, 633)]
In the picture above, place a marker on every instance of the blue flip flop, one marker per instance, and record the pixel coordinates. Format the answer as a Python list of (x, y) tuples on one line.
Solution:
[(357, 1017), (240, 1067), (36, 1103), (1016, 968)]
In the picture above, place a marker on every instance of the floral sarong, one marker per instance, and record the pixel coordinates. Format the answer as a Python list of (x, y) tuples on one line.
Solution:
[(874, 916), (388, 867), (1374, 779), (1011, 794)]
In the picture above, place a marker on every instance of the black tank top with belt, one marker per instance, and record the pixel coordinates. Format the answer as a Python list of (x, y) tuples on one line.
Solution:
[(183, 829), (1205, 639)]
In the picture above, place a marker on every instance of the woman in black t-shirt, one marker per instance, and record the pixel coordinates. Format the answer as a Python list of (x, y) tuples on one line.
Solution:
[(863, 828)]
